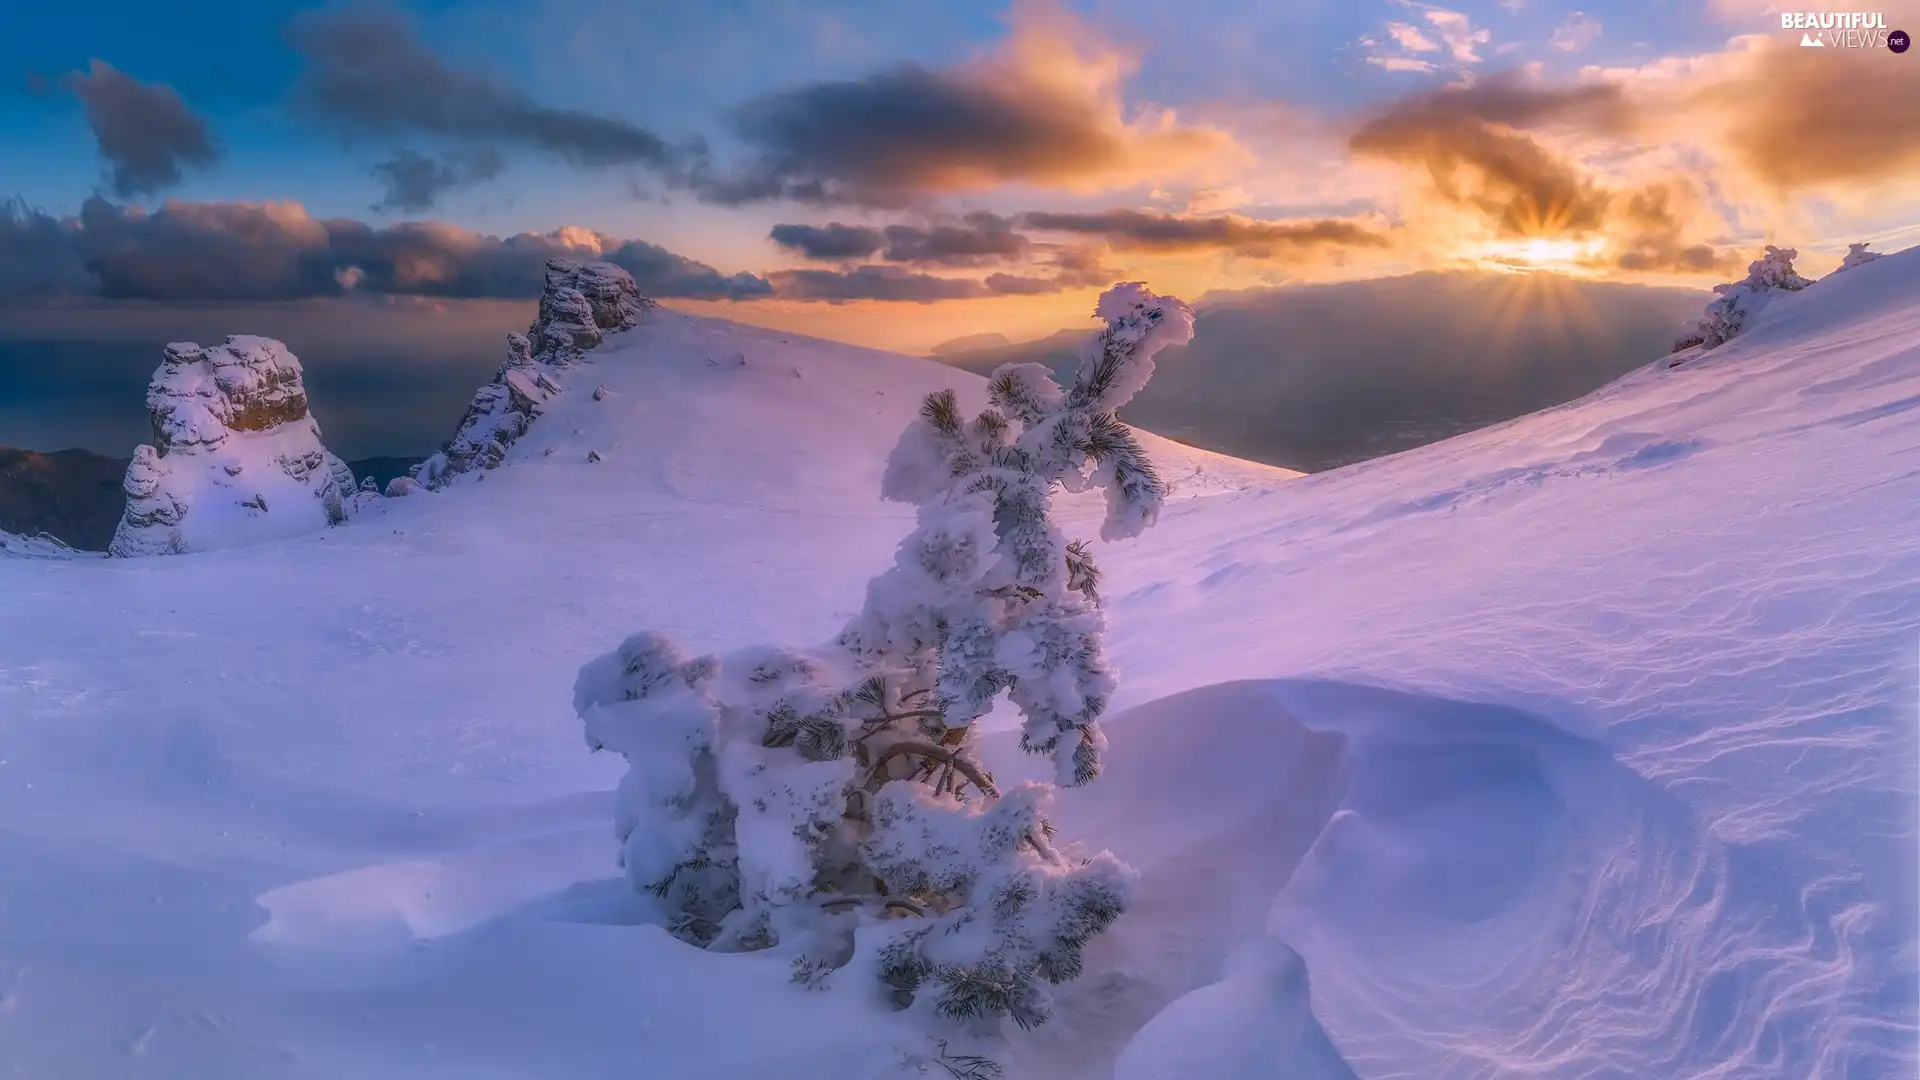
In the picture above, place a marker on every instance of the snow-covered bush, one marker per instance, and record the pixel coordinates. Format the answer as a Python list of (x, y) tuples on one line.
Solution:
[(1857, 255), (1741, 301), (829, 799)]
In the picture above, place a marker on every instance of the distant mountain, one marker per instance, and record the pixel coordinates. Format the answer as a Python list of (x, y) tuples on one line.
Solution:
[(970, 343), (1317, 376), (75, 495)]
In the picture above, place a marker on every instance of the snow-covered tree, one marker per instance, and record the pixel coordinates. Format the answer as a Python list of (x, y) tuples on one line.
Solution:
[(829, 799), (1857, 255), (1741, 301)]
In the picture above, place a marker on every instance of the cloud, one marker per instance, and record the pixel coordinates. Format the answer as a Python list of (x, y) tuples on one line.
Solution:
[(1141, 230), (830, 243), (1403, 63), (1656, 220), (1797, 119), (367, 73), (1578, 32), (1046, 108), (1512, 99), (145, 132), (1457, 32), (1409, 37), (894, 283), (414, 181), (976, 240), (873, 283), (1511, 179), (1483, 153), (277, 251)]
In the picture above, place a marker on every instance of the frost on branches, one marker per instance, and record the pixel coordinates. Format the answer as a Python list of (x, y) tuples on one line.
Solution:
[(1857, 255), (828, 800), (1741, 301)]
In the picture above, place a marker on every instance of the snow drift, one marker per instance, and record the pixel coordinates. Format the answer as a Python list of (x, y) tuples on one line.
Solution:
[(1582, 747), (236, 457)]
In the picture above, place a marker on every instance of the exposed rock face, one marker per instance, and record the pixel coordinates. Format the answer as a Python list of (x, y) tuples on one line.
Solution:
[(581, 304), (235, 458)]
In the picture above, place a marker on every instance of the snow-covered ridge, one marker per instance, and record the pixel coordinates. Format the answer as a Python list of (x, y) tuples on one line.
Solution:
[(236, 457)]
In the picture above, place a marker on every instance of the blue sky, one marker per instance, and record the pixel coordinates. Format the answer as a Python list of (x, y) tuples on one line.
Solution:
[(679, 69)]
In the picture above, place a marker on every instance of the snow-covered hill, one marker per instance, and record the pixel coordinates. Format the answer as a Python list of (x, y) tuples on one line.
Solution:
[(1583, 746)]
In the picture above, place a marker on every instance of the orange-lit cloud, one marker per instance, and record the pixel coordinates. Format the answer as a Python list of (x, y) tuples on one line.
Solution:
[(1046, 108)]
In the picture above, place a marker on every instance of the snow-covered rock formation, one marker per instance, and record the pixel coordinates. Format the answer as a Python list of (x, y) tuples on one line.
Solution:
[(581, 303), (236, 457), (1741, 301), (1857, 255)]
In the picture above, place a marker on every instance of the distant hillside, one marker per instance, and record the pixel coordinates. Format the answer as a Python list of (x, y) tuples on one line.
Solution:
[(1314, 377), (970, 343), (75, 496)]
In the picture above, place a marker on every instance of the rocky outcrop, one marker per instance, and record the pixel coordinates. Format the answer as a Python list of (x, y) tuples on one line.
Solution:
[(581, 304), (236, 456)]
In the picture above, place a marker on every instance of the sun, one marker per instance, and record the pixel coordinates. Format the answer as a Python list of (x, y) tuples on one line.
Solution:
[(1538, 253)]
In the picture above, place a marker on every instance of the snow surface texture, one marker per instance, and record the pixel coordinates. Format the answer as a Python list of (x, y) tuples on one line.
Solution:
[(581, 303), (1583, 746), (1741, 302), (236, 458)]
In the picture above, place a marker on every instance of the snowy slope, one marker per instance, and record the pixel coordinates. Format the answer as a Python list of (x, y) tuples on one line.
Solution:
[(1578, 747)]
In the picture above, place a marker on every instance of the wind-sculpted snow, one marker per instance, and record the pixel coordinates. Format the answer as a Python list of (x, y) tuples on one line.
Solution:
[(1583, 746), (236, 457)]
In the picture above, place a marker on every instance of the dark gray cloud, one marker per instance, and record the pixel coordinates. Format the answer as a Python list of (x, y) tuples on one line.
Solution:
[(415, 181), (975, 240), (885, 139), (1148, 231), (830, 243), (38, 254), (146, 133), (276, 251), (367, 73)]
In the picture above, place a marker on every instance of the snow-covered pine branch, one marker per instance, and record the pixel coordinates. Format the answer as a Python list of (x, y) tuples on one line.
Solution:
[(1740, 302), (829, 800)]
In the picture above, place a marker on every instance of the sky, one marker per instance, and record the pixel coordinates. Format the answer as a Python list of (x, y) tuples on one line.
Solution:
[(899, 175)]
